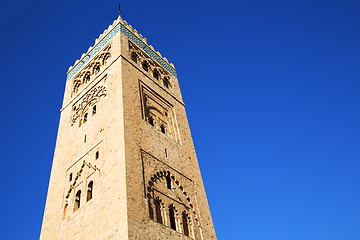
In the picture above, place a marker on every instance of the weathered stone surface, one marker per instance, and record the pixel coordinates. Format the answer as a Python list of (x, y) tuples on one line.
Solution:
[(134, 146)]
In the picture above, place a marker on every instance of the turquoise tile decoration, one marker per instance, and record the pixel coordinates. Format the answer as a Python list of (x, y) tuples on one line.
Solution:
[(133, 38)]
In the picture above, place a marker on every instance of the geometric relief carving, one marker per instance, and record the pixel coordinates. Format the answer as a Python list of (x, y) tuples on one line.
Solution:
[(93, 68), (81, 177), (91, 98), (158, 112), (170, 197), (149, 65), (82, 171)]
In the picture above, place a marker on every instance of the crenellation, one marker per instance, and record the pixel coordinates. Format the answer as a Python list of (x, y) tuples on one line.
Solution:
[(105, 33)]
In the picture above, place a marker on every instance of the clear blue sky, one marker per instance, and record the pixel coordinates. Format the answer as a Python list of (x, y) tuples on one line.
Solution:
[(272, 96)]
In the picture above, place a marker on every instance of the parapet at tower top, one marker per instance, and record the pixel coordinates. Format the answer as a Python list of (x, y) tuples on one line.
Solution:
[(119, 25)]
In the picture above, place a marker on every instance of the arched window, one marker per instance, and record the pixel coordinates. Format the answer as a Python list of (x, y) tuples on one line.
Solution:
[(145, 66), (166, 82), (77, 200), (151, 120), (77, 84), (185, 224), (134, 57), (89, 191), (168, 182), (158, 211), (172, 217), (96, 68), (163, 129), (85, 118), (105, 59), (94, 110), (97, 155), (86, 77), (151, 211), (156, 74), (70, 177)]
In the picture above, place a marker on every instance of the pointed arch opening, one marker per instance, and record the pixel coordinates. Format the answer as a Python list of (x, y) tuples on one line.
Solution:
[(89, 194), (76, 86), (151, 210), (163, 128), (158, 211), (172, 217), (145, 66), (86, 77), (77, 200), (151, 120), (106, 58), (166, 82), (96, 68), (168, 182), (185, 224), (85, 118), (156, 74), (134, 57)]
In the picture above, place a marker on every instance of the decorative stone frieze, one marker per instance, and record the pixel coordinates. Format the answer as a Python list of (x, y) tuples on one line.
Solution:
[(86, 102), (119, 25), (145, 62), (92, 69), (169, 192), (159, 113)]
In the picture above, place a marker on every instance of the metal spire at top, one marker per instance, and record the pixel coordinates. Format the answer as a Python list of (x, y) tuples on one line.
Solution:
[(119, 10)]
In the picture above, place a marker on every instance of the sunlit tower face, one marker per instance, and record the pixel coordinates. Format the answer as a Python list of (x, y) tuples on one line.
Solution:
[(124, 165)]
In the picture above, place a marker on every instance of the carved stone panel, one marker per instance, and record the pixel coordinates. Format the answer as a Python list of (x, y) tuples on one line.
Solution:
[(78, 177), (145, 62), (158, 112), (166, 190), (80, 108), (97, 64)]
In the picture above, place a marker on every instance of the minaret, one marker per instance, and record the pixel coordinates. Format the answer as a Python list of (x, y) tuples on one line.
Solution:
[(124, 165)]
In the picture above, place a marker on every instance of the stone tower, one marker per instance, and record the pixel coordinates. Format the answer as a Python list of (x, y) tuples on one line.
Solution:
[(124, 164)]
